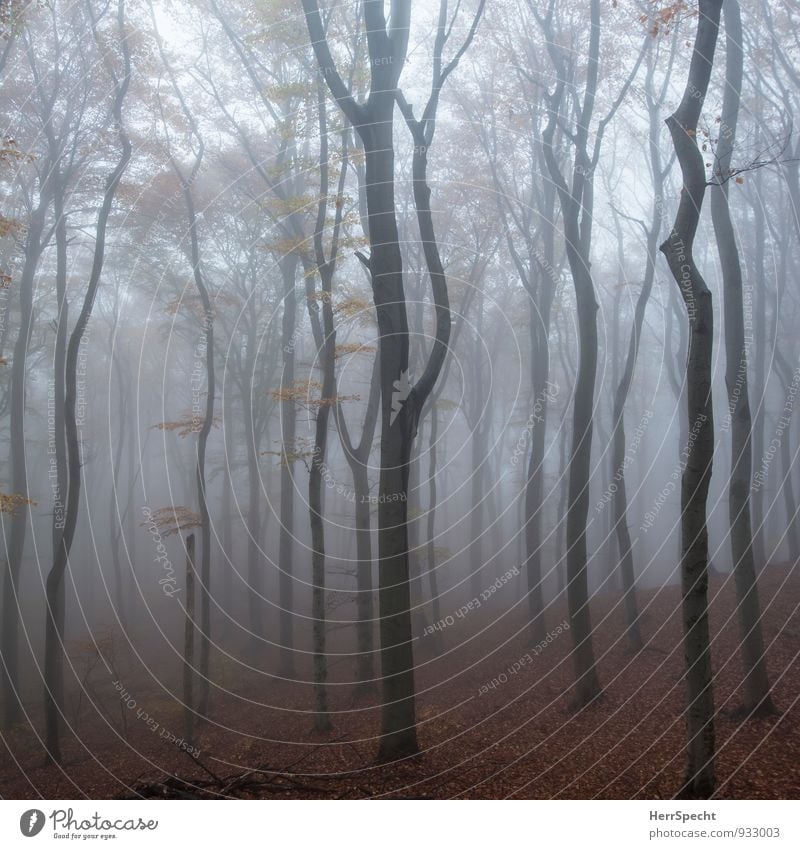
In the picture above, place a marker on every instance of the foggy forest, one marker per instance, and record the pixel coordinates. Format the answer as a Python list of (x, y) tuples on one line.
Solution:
[(397, 399)]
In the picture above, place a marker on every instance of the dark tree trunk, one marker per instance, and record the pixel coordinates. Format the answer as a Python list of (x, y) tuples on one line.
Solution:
[(358, 458), (759, 371), (9, 668), (288, 267), (576, 209), (699, 777), (756, 689), (188, 645), (623, 388), (54, 620), (789, 380)]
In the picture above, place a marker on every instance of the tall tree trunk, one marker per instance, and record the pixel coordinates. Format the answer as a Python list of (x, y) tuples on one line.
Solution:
[(9, 668), (200, 468), (365, 665), (790, 381), (477, 501), (699, 777), (255, 566), (188, 645), (623, 388), (114, 515), (320, 662), (401, 403), (430, 530), (398, 422), (288, 267), (54, 622), (539, 319), (756, 689), (576, 210), (760, 369), (358, 458)]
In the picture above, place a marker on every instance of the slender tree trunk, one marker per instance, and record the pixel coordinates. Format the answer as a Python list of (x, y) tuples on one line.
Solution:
[(321, 718), (756, 688), (358, 458), (478, 496), (365, 664), (54, 621), (760, 370), (255, 566), (430, 531), (576, 210), (587, 684), (623, 388), (114, 517), (200, 468), (697, 464), (9, 668), (534, 486), (188, 645), (790, 381), (288, 267)]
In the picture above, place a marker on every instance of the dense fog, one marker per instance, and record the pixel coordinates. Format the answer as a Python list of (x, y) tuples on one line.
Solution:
[(335, 365)]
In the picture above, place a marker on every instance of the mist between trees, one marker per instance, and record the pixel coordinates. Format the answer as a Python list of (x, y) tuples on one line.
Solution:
[(329, 328)]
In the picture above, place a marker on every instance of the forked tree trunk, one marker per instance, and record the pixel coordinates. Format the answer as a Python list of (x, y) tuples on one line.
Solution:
[(358, 458), (699, 777), (398, 423), (401, 403)]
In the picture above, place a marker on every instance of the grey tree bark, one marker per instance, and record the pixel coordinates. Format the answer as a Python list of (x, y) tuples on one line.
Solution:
[(54, 618), (576, 201), (401, 402), (699, 776), (659, 172), (188, 645), (357, 457), (756, 688), (325, 339), (288, 268), (9, 668), (206, 347)]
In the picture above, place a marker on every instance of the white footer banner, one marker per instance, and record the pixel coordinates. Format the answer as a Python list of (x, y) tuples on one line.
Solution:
[(402, 824)]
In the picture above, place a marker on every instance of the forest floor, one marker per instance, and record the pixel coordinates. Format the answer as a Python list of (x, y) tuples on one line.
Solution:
[(519, 738)]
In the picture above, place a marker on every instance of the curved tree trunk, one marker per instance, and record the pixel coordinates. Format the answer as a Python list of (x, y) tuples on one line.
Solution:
[(54, 620), (623, 389), (699, 776), (756, 688)]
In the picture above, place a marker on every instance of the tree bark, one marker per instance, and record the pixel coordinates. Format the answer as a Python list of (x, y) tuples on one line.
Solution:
[(288, 267), (188, 645), (54, 620), (699, 776), (755, 688), (9, 668)]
